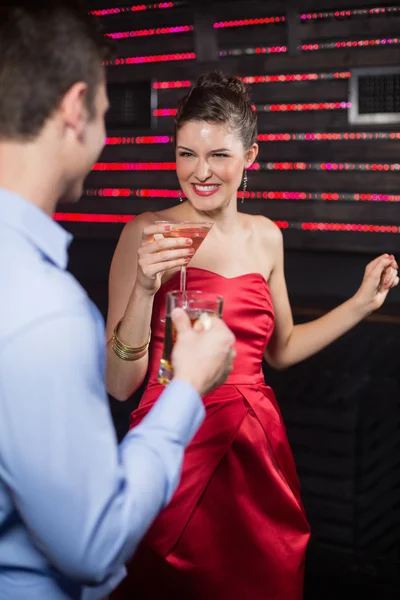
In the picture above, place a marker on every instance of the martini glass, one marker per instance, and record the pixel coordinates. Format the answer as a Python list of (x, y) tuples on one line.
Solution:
[(195, 230)]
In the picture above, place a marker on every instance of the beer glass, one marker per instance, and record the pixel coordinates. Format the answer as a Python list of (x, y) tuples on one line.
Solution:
[(195, 303)]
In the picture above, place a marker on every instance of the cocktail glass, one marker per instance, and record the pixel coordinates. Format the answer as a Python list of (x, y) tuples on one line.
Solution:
[(196, 230)]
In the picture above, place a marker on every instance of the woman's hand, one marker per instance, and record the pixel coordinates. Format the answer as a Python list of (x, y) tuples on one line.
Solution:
[(381, 275), (158, 253)]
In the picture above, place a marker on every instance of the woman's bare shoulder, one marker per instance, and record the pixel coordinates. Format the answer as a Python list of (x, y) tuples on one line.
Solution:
[(265, 228)]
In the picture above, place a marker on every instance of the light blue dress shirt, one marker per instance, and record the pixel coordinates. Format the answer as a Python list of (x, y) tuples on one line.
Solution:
[(73, 504)]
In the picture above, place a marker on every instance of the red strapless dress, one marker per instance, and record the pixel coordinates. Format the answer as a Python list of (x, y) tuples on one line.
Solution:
[(235, 528)]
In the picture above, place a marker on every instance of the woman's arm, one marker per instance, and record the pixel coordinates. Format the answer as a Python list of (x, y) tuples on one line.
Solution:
[(291, 343), (131, 304), (135, 276)]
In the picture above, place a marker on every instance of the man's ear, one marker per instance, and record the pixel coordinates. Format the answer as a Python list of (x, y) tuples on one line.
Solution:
[(73, 108)]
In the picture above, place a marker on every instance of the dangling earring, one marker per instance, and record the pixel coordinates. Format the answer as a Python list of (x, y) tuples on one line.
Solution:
[(180, 196), (244, 185)]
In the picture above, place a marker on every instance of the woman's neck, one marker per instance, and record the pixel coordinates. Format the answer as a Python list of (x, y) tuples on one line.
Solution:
[(226, 219)]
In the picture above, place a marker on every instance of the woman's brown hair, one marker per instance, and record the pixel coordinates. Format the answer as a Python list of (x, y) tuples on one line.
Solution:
[(220, 98)]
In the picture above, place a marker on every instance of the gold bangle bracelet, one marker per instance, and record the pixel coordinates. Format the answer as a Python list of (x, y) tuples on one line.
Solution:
[(125, 352)]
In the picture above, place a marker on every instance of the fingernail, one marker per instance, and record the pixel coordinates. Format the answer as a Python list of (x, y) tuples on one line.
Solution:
[(167, 227), (205, 321), (188, 242)]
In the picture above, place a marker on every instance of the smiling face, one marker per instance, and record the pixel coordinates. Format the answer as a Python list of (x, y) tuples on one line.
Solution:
[(210, 160)]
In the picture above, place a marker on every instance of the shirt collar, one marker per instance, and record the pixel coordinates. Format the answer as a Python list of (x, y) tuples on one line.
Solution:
[(36, 226)]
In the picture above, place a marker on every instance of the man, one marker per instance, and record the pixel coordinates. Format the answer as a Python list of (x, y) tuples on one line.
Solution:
[(73, 506)]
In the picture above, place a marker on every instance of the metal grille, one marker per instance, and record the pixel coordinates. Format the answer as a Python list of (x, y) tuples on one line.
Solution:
[(379, 94), (375, 96)]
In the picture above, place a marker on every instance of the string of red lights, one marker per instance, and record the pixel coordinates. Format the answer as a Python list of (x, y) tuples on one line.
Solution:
[(250, 22), (326, 166), (348, 13), (259, 195), (121, 35), (255, 79), (339, 44), (310, 47), (314, 136), (257, 166), (312, 16), (134, 60), (304, 106), (318, 136), (299, 225), (105, 12)]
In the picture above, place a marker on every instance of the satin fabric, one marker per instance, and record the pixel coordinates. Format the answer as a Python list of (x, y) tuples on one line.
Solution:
[(235, 528)]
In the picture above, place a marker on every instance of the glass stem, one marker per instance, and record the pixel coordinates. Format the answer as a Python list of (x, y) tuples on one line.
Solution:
[(183, 279)]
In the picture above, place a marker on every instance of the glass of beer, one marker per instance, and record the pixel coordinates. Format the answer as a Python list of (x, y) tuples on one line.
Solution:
[(195, 303)]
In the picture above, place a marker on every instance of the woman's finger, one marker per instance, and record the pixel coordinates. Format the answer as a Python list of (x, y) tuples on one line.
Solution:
[(150, 239), (168, 255), (387, 279), (155, 228), (392, 278), (379, 268), (394, 263), (155, 269), (371, 265), (164, 244), (389, 274)]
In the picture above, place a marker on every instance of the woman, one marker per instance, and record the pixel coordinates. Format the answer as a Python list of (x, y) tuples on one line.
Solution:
[(236, 528)]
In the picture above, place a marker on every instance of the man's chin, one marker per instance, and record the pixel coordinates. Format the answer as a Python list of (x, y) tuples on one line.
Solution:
[(71, 196)]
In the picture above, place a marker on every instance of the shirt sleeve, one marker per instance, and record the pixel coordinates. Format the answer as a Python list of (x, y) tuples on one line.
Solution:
[(85, 501)]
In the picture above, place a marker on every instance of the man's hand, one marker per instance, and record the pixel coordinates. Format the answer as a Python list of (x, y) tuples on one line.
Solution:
[(202, 355)]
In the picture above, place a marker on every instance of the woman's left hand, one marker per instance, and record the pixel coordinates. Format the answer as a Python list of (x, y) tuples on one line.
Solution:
[(381, 275)]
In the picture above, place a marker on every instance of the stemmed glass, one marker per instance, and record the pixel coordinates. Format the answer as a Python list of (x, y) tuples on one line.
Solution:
[(195, 230)]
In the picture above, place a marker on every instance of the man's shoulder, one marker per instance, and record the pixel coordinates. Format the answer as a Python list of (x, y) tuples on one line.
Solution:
[(37, 290)]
